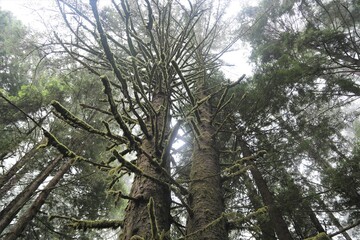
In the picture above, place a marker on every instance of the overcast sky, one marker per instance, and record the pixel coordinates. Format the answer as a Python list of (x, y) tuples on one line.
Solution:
[(36, 13)]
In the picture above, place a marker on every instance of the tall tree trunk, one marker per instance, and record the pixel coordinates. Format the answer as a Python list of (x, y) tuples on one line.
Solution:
[(276, 218), (332, 217), (12, 182), (206, 193), (18, 165), (137, 220), (314, 223), (314, 219), (267, 231), (10, 211), (30, 213), (323, 205)]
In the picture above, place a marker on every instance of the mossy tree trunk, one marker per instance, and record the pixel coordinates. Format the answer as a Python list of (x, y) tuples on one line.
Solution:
[(137, 220), (206, 194), (154, 36)]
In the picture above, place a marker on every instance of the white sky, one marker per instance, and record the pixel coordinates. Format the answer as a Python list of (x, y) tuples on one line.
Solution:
[(36, 13)]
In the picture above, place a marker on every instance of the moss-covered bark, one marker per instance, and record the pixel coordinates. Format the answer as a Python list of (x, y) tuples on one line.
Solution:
[(137, 220), (206, 195)]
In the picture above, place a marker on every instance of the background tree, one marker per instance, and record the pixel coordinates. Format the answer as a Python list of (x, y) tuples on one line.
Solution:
[(266, 156)]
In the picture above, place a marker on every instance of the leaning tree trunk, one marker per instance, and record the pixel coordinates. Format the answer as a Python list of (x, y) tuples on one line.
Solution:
[(12, 182), (18, 165), (10, 211), (328, 211), (267, 231), (30, 213), (206, 196), (276, 218)]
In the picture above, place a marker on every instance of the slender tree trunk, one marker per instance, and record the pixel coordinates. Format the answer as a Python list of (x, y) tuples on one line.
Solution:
[(314, 223), (10, 211), (276, 218), (334, 220), (17, 166), (137, 219), (267, 231), (314, 219), (206, 194), (30, 213), (12, 182)]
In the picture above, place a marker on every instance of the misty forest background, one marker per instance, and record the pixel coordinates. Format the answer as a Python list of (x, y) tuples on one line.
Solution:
[(118, 122)]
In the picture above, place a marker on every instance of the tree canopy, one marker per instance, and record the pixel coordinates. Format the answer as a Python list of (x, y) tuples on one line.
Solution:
[(121, 124)]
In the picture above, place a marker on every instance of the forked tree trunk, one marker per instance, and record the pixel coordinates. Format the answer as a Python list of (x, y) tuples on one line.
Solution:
[(30, 213), (10, 211), (137, 219)]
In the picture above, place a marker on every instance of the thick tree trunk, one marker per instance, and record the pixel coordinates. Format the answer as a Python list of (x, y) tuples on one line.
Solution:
[(30, 213), (206, 195), (267, 231), (276, 218), (137, 219), (10, 211)]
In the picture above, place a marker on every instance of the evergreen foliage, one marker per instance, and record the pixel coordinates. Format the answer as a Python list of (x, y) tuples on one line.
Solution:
[(121, 124)]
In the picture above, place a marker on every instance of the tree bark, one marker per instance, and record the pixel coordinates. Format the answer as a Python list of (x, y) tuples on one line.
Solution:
[(314, 219), (10, 211), (30, 213), (12, 182), (206, 193), (267, 231), (17, 166), (334, 220), (276, 218), (137, 220)]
